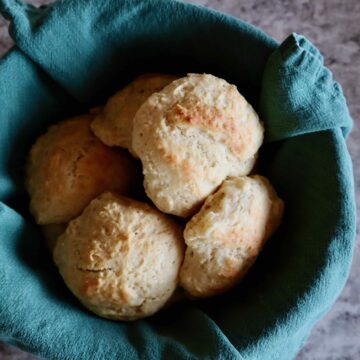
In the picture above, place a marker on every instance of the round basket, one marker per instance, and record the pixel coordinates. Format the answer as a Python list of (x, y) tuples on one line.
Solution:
[(73, 55)]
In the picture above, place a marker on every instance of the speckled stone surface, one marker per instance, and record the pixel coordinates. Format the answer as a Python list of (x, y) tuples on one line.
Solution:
[(333, 25)]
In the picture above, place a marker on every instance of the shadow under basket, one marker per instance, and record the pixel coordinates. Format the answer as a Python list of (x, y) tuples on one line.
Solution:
[(72, 55)]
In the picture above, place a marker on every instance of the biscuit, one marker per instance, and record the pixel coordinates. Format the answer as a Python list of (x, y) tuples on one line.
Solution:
[(114, 124), (121, 257), (192, 135), (226, 235), (69, 166)]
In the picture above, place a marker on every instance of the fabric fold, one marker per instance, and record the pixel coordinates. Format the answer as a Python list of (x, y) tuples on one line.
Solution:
[(92, 48), (23, 17), (299, 95)]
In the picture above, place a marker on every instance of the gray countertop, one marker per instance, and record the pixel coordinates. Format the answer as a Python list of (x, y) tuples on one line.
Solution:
[(333, 25)]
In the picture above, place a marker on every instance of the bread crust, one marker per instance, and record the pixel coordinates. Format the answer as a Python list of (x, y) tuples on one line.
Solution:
[(121, 258), (113, 125), (225, 237), (192, 135), (68, 166)]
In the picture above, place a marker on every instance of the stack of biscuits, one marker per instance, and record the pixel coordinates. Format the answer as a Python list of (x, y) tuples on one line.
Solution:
[(195, 139)]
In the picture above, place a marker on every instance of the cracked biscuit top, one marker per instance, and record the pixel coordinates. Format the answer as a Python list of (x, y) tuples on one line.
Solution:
[(68, 166), (190, 136), (121, 257)]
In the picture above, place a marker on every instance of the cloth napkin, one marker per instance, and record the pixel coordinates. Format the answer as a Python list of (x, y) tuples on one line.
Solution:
[(72, 55)]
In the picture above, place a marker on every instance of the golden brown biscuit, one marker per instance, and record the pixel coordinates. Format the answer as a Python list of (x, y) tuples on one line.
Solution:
[(226, 235), (121, 257), (69, 166), (192, 135), (114, 124)]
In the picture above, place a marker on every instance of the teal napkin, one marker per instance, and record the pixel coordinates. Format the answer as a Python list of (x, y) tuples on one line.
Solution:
[(74, 54)]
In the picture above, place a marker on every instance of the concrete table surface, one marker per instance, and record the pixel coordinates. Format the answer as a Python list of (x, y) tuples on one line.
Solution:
[(333, 25)]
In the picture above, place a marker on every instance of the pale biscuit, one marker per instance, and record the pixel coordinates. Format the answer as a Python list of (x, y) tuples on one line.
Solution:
[(114, 124), (192, 135), (69, 166), (226, 235), (121, 257)]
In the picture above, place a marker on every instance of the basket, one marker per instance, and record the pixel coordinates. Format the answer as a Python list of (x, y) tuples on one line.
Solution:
[(72, 55)]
